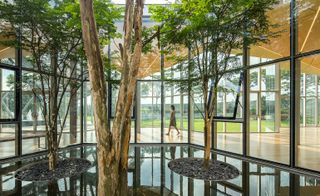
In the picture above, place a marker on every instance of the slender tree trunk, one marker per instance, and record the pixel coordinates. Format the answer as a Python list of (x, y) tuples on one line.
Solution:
[(53, 113), (207, 124), (209, 116), (73, 115), (35, 110), (73, 107), (207, 130), (52, 148), (0, 98)]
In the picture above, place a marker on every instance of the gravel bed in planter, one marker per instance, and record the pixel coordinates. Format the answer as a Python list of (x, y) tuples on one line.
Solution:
[(40, 171), (194, 168)]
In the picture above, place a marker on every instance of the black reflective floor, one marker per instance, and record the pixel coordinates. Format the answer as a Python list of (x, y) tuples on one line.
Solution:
[(150, 175)]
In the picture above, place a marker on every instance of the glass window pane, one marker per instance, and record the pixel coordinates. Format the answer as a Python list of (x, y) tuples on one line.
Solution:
[(228, 90), (196, 123), (310, 85), (229, 137), (278, 46), (310, 111), (269, 114), (33, 124), (7, 140), (174, 96), (308, 25), (254, 112), (254, 79), (268, 77), (149, 112), (7, 94), (88, 123), (7, 54)]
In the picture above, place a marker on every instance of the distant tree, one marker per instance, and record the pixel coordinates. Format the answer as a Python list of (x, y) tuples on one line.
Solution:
[(212, 30)]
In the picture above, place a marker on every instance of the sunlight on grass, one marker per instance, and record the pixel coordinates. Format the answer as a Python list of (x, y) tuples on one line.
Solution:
[(266, 125)]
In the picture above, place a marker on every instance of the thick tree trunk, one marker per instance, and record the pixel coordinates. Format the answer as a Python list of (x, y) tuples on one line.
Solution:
[(105, 153), (113, 148)]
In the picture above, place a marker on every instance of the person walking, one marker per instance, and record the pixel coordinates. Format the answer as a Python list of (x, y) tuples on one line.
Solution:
[(173, 122)]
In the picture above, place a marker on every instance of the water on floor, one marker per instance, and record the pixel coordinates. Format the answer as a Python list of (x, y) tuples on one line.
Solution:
[(149, 175)]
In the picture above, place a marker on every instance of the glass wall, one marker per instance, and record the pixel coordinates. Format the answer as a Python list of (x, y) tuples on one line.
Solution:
[(7, 54), (308, 25), (89, 135), (8, 140), (269, 112), (307, 151), (279, 44), (268, 107), (196, 119), (149, 112), (228, 135), (7, 94), (174, 97), (8, 131), (33, 124)]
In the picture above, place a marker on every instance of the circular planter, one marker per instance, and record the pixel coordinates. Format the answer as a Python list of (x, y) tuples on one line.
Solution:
[(194, 168), (40, 171)]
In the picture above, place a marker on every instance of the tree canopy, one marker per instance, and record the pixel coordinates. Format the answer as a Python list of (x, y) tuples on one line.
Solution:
[(214, 33)]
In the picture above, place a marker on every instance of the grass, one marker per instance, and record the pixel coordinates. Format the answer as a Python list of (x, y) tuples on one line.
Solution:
[(230, 127), (266, 126)]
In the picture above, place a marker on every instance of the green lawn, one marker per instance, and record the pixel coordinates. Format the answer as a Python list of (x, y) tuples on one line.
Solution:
[(230, 127)]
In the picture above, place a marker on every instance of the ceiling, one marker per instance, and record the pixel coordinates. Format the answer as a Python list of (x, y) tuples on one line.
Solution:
[(278, 47)]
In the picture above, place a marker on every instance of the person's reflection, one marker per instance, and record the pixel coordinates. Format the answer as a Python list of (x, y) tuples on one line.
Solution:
[(173, 156), (173, 139), (173, 152)]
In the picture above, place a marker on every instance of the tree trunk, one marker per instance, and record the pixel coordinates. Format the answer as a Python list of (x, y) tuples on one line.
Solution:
[(207, 124), (53, 188), (210, 106), (52, 148), (73, 107), (98, 91), (52, 119), (0, 99), (73, 114), (35, 109), (207, 151), (113, 148)]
